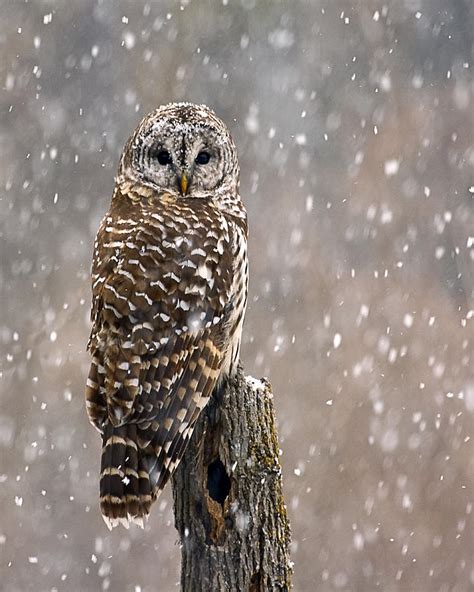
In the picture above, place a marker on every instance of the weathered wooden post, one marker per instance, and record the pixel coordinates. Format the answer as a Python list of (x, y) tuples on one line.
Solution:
[(228, 500)]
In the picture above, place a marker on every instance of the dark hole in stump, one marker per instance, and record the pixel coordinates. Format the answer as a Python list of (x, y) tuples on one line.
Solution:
[(218, 482), (255, 582)]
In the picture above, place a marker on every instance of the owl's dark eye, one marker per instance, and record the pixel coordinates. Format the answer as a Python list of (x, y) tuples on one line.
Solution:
[(203, 158), (164, 157)]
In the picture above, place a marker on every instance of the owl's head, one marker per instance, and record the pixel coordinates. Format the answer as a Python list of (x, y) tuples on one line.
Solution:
[(183, 149)]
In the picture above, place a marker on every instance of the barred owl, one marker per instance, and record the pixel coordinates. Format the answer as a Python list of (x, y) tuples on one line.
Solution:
[(169, 291)]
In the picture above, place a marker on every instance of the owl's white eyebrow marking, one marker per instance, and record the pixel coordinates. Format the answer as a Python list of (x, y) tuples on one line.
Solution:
[(183, 150)]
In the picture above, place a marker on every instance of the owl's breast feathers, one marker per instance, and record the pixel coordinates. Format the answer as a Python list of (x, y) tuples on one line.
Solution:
[(165, 284)]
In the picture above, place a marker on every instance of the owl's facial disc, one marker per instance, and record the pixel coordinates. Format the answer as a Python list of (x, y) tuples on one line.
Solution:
[(183, 159)]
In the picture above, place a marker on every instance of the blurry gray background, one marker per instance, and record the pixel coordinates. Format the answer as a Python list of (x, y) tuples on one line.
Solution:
[(354, 124)]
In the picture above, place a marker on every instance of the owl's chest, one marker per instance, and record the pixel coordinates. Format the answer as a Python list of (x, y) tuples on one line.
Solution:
[(167, 270)]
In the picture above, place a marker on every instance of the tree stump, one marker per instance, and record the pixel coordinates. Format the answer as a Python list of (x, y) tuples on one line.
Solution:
[(228, 500)]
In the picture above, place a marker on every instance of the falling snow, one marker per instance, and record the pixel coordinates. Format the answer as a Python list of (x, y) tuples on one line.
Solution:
[(391, 167)]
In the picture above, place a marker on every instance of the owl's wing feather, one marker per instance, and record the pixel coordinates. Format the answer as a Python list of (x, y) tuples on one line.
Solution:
[(161, 433), (175, 421)]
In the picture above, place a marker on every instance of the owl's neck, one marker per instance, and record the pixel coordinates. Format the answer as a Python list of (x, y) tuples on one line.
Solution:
[(226, 197)]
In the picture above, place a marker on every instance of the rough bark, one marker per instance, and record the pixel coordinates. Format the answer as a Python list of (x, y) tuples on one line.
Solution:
[(228, 500)]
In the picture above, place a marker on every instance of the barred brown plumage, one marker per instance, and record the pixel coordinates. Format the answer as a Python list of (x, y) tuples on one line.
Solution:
[(169, 286)]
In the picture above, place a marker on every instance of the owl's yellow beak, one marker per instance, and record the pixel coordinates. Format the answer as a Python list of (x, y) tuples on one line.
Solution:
[(183, 183)]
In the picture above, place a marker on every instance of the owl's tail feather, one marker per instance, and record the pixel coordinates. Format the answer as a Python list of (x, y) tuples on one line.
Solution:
[(126, 492)]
